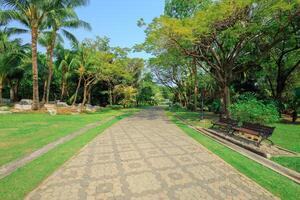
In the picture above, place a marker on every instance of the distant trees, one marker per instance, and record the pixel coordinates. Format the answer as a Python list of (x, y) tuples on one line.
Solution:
[(225, 40)]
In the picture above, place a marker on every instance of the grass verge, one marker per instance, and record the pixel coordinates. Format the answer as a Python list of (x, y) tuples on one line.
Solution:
[(23, 133), (267, 178), (289, 162), (25, 179), (286, 135)]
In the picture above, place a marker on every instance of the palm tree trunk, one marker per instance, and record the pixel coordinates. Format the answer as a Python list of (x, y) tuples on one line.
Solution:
[(11, 94), (50, 64), (63, 90), (35, 83), (44, 91), (15, 89), (89, 95), (50, 73), (85, 91), (77, 89)]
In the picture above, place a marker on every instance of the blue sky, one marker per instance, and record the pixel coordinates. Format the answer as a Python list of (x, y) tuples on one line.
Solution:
[(117, 19)]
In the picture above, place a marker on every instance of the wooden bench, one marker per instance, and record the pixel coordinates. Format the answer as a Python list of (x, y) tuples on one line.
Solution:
[(225, 123), (259, 132)]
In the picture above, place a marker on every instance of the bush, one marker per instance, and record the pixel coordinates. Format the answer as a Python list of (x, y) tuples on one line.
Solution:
[(175, 107), (255, 111), (215, 106)]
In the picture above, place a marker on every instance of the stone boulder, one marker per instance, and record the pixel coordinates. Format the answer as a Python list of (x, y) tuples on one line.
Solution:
[(25, 102), (51, 109), (91, 108), (52, 112), (5, 101), (4, 108), (24, 105), (62, 104)]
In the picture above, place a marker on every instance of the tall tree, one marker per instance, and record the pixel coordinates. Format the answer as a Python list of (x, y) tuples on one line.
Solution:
[(59, 22), (279, 50), (33, 14)]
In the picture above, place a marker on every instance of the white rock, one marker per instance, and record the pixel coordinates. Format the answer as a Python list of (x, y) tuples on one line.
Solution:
[(62, 104), (52, 112), (22, 107), (25, 102), (4, 108), (5, 112)]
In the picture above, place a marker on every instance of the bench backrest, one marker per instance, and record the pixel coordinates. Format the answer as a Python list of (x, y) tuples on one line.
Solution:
[(263, 130), (228, 121)]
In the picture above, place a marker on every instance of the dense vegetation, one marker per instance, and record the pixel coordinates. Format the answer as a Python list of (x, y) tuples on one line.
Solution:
[(91, 72), (220, 50)]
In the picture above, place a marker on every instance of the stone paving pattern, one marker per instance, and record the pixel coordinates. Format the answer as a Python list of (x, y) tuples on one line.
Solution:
[(146, 157)]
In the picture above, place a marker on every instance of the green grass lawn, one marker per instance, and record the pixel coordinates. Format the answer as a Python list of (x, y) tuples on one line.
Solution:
[(21, 134), (286, 135), (25, 179), (267, 178), (289, 162)]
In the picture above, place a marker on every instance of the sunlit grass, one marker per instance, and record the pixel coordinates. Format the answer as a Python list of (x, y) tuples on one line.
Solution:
[(21, 134)]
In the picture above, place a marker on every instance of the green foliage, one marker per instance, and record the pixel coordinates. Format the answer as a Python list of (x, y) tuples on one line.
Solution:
[(175, 107), (252, 110), (215, 106)]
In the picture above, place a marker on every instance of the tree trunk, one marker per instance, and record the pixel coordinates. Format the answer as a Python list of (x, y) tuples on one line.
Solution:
[(11, 94), (13, 91), (110, 96), (77, 89), (44, 91), (15, 88), (226, 100), (85, 90), (89, 96), (63, 90), (35, 79), (50, 72), (195, 73)]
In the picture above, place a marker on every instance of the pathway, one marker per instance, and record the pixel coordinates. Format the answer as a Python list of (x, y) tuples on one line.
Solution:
[(146, 157)]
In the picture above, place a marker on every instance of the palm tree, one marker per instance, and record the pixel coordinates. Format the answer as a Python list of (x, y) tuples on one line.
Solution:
[(65, 59), (33, 15), (83, 60), (59, 22), (11, 52)]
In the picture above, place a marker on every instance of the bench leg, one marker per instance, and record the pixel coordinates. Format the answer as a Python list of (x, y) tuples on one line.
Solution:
[(231, 132)]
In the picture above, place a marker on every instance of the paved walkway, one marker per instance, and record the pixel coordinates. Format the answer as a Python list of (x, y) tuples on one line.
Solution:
[(146, 157)]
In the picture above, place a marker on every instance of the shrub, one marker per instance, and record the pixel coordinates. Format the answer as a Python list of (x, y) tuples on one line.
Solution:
[(175, 107), (255, 111), (215, 106)]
